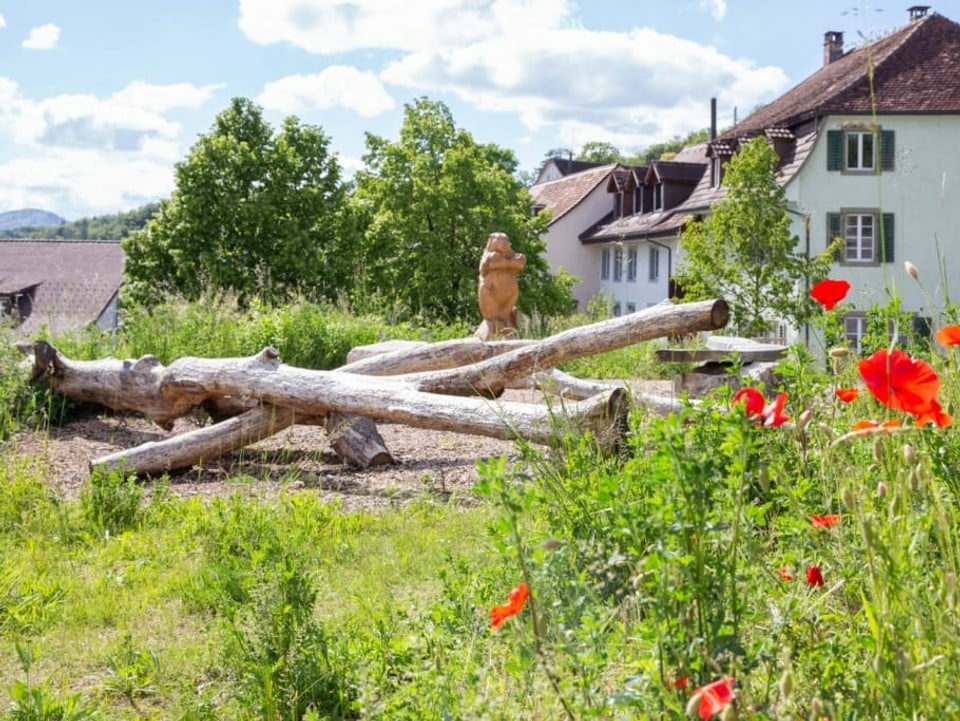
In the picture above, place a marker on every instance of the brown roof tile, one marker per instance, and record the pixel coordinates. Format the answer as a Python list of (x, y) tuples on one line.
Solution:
[(74, 280), (564, 194), (915, 70)]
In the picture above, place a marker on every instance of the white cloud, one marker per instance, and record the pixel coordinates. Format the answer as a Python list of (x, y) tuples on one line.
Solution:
[(333, 26), (44, 37), (123, 121), (717, 8), (78, 183), (638, 86), (335, 86), (3, 23)]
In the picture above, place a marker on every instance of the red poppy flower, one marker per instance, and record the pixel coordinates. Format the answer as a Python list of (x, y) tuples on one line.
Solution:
[(900, 382), (679, 684), (814, 576), (752, 400), (831, 519), (785, 574), (756, 406), (934, 414), (773, 412), (829, 292), (714, 697), (514, 605), (847, 395), (948, 335)]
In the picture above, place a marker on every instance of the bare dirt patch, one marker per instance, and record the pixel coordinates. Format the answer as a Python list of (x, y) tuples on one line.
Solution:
[(429, 463)]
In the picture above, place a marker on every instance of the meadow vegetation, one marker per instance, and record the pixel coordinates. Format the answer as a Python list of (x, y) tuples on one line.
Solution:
[(766, 561)]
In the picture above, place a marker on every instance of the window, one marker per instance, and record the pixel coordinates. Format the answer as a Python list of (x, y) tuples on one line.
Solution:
[(854, 329), (654, 263), (716, 172), (867, 236), (860, 150), (618, 265), (616, 310), (617, 205), (632, 264), (658, 196), (605, 264), (860, 237), (631, 307)]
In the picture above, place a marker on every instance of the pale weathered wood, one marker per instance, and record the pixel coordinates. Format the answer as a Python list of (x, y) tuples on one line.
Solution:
[(166, 393), (208, 442)]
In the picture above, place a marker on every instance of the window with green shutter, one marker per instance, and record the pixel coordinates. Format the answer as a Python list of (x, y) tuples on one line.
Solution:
[(868, 236), (858, 151)]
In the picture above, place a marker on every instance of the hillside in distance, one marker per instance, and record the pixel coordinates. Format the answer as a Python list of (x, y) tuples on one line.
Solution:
[(98, 227), (28, 217)]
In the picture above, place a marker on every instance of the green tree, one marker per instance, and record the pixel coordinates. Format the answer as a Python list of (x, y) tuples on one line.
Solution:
[(430, 200), (675, 145), (254, 212), (744, 253), (597, 151)]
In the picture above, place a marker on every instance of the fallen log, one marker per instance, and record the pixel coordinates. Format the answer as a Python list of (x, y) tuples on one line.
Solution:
[(434, 399)]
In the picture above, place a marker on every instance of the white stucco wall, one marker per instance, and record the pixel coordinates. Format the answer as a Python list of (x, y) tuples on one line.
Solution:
[(923, 193), (641, 292), (564, 249)]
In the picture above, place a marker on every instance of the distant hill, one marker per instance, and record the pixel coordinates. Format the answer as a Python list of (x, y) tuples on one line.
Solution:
[(29, 216), (99, 227)]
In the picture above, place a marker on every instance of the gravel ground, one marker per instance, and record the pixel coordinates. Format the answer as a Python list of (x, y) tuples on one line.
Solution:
[(429, 463)]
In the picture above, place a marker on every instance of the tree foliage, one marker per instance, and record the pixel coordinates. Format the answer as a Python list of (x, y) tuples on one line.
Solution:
[(427, 203), (597, 151), (255, 212), (744, 252)]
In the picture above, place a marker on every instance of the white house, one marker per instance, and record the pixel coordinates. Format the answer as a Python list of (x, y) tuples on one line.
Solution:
[(870, 152), (576, 200)]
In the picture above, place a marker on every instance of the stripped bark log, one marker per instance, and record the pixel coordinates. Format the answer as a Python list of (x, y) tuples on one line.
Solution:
[(165, 394)]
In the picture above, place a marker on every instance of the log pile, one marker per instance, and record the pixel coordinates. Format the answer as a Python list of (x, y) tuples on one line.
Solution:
[(453, 386)]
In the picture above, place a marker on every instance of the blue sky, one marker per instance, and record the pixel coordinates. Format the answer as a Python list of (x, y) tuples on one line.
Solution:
[(99, 99)]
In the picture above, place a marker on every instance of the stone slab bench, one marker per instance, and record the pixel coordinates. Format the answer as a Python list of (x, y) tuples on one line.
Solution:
[(757, 361)]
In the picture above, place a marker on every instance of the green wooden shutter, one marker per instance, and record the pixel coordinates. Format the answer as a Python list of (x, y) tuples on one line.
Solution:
[(834, 150), (835, 230), (887, 256), (887, 149)]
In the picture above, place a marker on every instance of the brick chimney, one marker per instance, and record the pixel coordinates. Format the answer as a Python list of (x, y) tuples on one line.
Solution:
[(832, 47)]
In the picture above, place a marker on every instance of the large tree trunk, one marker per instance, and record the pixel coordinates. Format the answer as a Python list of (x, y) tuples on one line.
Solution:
[(435, 398)]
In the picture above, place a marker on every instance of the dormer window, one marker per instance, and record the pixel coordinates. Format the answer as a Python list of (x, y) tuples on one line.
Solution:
[(617, 205), (658, 196), (716, 172)]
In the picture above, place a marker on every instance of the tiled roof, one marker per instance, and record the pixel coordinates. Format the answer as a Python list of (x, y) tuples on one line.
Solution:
[(75, 280), (563, 194), (915, 70), (672, 171)]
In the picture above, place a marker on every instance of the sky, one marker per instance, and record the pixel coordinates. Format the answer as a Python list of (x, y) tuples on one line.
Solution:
[(100, 99)]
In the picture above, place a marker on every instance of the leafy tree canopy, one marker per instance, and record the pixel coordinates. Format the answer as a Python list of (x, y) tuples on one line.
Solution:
[(744, 253), (596, 151), (254, 212), (427, 203)]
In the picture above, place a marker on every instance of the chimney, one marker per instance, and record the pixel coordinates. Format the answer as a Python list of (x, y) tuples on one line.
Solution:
[(832, 47), (917, 11), (713, 118)]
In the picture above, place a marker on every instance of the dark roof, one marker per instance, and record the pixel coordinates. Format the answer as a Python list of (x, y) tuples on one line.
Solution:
[(568, 166), (915, 70), (673, 172), (74, 280), (564, 194)]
